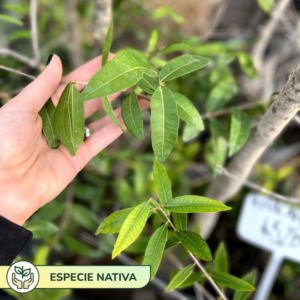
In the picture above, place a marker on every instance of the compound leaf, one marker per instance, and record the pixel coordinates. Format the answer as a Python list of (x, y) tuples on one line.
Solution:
[(164, 123), (110, 112), (195, 244), (155, 248), (132, 227), (120, 73), (132, 115), (180, 277), (182, 65)]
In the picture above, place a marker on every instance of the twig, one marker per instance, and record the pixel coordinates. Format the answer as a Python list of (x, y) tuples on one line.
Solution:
[(214, 285), (20, 57), (34, 31), (17, 72), (254, 186)]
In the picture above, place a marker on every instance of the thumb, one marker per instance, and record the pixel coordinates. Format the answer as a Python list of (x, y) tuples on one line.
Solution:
[(36, 94)]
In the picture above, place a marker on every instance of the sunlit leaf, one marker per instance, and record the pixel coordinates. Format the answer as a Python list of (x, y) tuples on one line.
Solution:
[(195, 244), (188, 112), (114, 222), (182, 65), (189, 133), (107, 44), (69, 119), (162, 183), (251, 279), (180, 221), (148, 84), (239, 130), (41, 229), (132, 115), (194, 204), (132, 227), (220, 259), (155, 248), (166, 11), (10, 19), (110, 112), (153, 40), (164, 123), (180, 277), (47, 115), (232, 282), (266, 5), (246, 64), (120, 73)]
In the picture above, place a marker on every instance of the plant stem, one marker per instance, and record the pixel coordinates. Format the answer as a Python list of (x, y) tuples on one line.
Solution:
[(214, 285)]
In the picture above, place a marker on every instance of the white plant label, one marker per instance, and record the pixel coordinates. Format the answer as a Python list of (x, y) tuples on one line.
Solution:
[(273, 226)]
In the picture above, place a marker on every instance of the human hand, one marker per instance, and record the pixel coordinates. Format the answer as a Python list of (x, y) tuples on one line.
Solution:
[(28, 282), (31, 173), (16, 281)]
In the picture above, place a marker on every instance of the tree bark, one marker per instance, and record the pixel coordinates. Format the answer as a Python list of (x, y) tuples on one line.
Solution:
[(268, 128)]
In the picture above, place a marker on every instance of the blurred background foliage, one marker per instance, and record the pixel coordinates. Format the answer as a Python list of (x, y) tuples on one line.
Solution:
[(121, 175)]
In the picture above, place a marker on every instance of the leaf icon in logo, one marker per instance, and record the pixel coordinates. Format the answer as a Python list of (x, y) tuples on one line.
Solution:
[(18, 270), (26, 272)]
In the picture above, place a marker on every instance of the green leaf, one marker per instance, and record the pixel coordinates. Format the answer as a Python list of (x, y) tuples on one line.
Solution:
[(110, 112), (114, 222), (47, 115), (220, 95), (107, 44), (188, 112), (132, 227), (189, 133), (166, 11), (158, 211), (10, 19), (132, 115), (18, 270), (182, 65), (180, 277), (194, 277), (14, 7), (194, 204), (153, 41), (175, 47), (251, 279), (155, 249), (164, 123), (246, 64), (26, 272), (221, 259), (232, 282), (170, 244), (218, 141), (69, 119), (84, 217), (120, 73), (162, 183), (180, 221), (195, 244), (41, 229), (266, 5), (239, 130), (148, 84)]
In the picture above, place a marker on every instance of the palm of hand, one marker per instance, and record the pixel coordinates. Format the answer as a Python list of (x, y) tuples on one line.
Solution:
[(31, 173)]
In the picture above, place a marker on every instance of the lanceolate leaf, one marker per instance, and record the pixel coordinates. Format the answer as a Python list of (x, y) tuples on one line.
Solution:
[(47, 115), (182, 65), (194, 277), (180, 277), (170, 244), (193, 204), (69, 119), (107, 44), (250, 278), (164, 123), (41, 229), (110, 112), (10, 19), (195, 244), (132, 227), (232, 282), (189, 133), (175, 47), (148, 84), (162, 183), (188, 112), (120, 73), (221, 260), (155, 248), (180, 221), (114, 222), (239, 130), (132, 115)]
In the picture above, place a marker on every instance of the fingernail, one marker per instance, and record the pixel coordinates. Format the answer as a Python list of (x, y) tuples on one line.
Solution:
[(49, 59)]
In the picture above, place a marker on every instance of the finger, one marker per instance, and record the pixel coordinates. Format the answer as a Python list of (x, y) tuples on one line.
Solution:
[(96, 125), (36, 94)]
